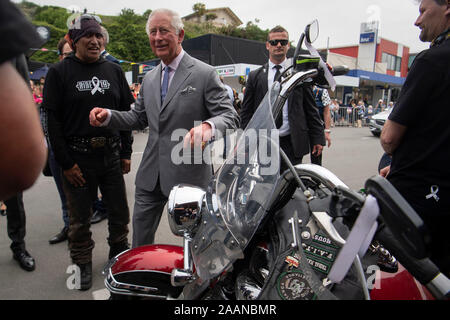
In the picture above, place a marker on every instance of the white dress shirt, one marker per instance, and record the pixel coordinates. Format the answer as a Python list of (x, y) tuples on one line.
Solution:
[(284, 129)]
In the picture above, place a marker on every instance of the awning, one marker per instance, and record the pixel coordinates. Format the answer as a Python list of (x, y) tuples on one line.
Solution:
[(378, 78), (347, 81)]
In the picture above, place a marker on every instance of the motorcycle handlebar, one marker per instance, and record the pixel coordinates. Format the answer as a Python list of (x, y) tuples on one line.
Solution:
[(340, 70), (321, 81), (422, 269)]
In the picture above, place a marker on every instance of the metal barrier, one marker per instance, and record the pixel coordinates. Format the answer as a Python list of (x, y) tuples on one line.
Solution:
[(350, 117)]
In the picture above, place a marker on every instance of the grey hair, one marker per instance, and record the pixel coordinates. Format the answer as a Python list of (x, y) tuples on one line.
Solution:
[(176, 21), (105, 35)]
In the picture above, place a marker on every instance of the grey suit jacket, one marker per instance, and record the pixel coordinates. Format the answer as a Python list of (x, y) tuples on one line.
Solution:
[(195, 95)]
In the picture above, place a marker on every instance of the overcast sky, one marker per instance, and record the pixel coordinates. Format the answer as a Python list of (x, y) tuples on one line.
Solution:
[(339, 20)]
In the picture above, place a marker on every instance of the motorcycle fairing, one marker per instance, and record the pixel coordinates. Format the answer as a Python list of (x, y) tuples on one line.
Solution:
[(293, 278), (237, 199)]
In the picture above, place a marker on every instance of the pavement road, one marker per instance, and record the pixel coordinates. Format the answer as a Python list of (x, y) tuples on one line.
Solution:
[(353, 157)]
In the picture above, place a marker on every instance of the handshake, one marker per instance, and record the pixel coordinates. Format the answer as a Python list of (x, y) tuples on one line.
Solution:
[(197, 136), (98, 116)]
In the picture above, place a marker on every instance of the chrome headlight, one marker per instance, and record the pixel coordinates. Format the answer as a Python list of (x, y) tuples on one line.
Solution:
[(185, 208)]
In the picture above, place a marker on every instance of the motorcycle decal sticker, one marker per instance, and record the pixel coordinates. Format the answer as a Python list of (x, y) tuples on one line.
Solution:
[(319, 252), (319, 266), (292, 262), (292, 285), (324, 240)]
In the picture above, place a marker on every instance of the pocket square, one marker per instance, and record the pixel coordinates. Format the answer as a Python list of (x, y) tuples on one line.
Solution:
[(188, 90)]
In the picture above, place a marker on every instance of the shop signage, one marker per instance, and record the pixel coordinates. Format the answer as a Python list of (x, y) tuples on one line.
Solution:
[(226, 71), (367, 37)]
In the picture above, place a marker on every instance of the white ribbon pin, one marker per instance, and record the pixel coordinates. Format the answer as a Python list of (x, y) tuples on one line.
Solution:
[(433, 194), (96, 83)]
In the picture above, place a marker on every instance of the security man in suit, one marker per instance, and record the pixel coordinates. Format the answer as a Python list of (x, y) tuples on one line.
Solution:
[(181, 98), (300, 123)]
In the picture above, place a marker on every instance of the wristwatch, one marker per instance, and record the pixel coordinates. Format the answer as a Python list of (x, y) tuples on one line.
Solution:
[(327, 130)]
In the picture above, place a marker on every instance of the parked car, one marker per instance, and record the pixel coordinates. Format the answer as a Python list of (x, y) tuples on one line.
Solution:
[(377, 122)]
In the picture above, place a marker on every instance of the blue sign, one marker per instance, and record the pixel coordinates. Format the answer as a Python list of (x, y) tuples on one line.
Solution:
[(367, 37)]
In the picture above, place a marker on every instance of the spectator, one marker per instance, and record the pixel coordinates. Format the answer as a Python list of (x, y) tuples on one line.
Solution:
[(360, 111), (89, 157), (237, 103), (15, 211), (369, 114), (64, 50), (15, 76), (23, 149), (175, 95), (379, 107), (334, 111), (103, 46)]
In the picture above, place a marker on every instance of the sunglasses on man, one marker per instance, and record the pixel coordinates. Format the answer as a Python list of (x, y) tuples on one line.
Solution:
[(274, 43)]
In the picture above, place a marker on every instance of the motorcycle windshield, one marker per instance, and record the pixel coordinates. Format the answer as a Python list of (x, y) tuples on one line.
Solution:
[(237, 199)]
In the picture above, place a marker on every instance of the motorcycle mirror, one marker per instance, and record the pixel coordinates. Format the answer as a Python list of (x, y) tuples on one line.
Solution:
[(312, 31), (184, 208)]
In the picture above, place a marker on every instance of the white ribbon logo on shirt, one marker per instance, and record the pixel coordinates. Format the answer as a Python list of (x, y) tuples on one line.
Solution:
[(433, 194), (96, 83)]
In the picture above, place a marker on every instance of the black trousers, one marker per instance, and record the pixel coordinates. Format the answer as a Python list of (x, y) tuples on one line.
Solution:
[(15, 215), (286, 146), (101, 171), (435, 214)]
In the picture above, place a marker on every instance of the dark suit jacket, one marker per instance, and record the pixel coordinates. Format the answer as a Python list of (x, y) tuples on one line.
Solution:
[(304, 120)]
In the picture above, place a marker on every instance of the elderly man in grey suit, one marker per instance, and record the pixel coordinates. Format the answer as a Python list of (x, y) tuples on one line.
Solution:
[(182, 94)]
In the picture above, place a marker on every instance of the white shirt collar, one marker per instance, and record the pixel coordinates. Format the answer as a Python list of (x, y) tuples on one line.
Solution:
[(175, 63), (282, 64)]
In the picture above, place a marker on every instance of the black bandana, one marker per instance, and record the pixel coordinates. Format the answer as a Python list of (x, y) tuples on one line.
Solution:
[(85, 27)]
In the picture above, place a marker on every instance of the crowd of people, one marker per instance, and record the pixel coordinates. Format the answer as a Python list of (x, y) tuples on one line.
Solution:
[(88, 112), (357, 113)]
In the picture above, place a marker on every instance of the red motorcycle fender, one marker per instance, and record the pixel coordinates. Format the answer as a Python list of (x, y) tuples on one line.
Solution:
[(161, 258), (145, 271), (399, 286)]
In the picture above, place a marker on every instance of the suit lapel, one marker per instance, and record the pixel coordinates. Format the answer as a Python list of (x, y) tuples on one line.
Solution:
[(181, 74)]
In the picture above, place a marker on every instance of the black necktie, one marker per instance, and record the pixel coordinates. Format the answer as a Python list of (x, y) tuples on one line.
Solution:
[(277, 73), (279, 119)]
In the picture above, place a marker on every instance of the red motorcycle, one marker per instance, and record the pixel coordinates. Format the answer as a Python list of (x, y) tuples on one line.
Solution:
[(256, 234)]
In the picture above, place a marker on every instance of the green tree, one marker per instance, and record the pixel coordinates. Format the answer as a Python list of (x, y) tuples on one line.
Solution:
[(55, 16), (199, 10)]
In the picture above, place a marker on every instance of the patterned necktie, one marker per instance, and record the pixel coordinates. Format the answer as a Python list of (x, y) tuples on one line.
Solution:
[(165, 83)]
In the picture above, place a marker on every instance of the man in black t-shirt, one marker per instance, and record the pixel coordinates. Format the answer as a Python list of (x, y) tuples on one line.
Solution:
[(417, 133), (90, 157)]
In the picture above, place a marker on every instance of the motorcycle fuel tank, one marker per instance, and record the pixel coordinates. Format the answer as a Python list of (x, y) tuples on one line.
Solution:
[(144, 272)]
